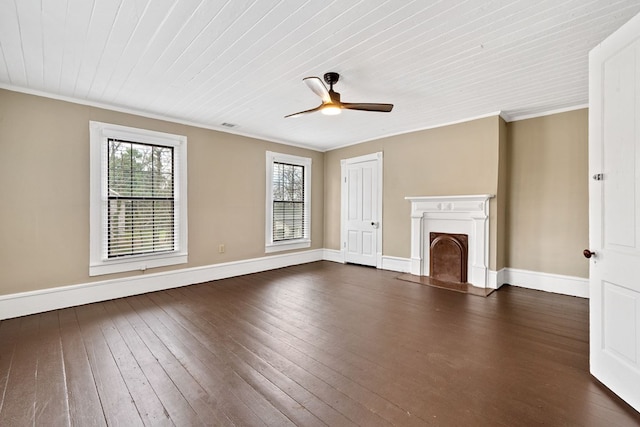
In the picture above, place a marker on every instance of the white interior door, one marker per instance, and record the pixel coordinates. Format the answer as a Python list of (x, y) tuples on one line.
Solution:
[(614, 211), (361, 209)]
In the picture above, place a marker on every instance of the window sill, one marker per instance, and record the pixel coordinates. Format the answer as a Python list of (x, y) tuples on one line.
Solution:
[(136, 263), (286, 246)]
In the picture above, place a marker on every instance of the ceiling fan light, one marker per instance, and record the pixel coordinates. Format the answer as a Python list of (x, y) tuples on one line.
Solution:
[(330, 110)]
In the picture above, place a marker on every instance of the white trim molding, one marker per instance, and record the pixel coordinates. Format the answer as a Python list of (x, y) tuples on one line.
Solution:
[(333, 255), (392, 263), (496, 278), (528, 115), (25, 303), (556, 283)]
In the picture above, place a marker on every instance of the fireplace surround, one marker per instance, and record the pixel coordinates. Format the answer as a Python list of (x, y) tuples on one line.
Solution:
[(467, 214)]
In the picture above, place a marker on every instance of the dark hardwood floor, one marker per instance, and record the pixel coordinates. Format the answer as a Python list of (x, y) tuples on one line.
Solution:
[(316, 344)]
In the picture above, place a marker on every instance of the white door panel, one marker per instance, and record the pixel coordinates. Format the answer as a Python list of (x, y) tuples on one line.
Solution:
[(619, 137), (368, 198), (614, 212), (353, 246), (353, 184), (619, 305), (368, 240)]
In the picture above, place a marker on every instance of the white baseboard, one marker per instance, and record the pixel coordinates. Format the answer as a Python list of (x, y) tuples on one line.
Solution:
[(392, 263), (496, 278), (556, 283), (24, 303), (332, 255), (567, 285)]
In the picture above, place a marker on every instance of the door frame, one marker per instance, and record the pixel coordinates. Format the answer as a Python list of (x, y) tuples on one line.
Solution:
[(343, 204)]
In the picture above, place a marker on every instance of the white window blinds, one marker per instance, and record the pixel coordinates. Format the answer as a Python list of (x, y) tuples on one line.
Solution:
[(140, 206)]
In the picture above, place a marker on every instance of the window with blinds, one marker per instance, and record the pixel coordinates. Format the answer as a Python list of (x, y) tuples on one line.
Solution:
[(288, 202), (140, 207), (138, 199)]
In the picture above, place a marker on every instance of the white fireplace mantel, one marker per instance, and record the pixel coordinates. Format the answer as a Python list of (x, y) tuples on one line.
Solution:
[(468, 214)]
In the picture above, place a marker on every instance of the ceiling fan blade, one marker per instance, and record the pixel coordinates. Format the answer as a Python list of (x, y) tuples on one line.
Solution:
[(316, 85), (384, 108), (300, 113)]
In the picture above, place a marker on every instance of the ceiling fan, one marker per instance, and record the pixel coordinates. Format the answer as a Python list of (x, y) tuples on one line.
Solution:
[(331, 103)]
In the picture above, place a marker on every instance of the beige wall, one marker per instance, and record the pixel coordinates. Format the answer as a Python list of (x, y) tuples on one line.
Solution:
[(537, 168), (548, 205), (450, 160), (44, 192)]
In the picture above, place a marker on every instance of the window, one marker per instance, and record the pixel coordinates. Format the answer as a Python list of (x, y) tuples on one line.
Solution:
[(288, 202), (138, 199)]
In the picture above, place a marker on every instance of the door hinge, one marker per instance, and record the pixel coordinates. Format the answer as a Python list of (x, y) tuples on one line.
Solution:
[(598, 177), (345, 179), (344, 244)]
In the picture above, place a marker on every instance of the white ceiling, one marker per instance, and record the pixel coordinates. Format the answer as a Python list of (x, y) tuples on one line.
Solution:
[(209, 62)]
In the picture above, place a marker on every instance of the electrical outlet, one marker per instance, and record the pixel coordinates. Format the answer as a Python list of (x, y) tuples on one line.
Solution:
[(221, 248)]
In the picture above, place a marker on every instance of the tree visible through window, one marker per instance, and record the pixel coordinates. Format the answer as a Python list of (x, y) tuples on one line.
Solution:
[(288, 202), (140, 199)]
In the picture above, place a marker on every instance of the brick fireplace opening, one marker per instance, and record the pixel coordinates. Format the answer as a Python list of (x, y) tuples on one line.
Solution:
[(448, 257)]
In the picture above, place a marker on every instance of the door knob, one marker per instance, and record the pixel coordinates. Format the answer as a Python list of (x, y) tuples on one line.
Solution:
[(588, 254), (374, 224)]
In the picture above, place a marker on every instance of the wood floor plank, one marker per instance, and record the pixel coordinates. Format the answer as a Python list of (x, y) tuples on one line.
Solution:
[(117, 403), (306, 331), (240, 374), (20, 394), (173, 403), (9, 336), (311, 345), (144, 397), (52, 404), (213, 377), (296, 357), (85, 408), (323, 412), (338, 334), (294, 401), (362, 380), (198, 398)]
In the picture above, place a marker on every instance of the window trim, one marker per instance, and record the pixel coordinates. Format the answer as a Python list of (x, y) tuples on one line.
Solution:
[(99, 263), (284, 245)]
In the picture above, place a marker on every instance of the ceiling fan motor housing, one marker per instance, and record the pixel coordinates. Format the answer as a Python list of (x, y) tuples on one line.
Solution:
[(331, 78)]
